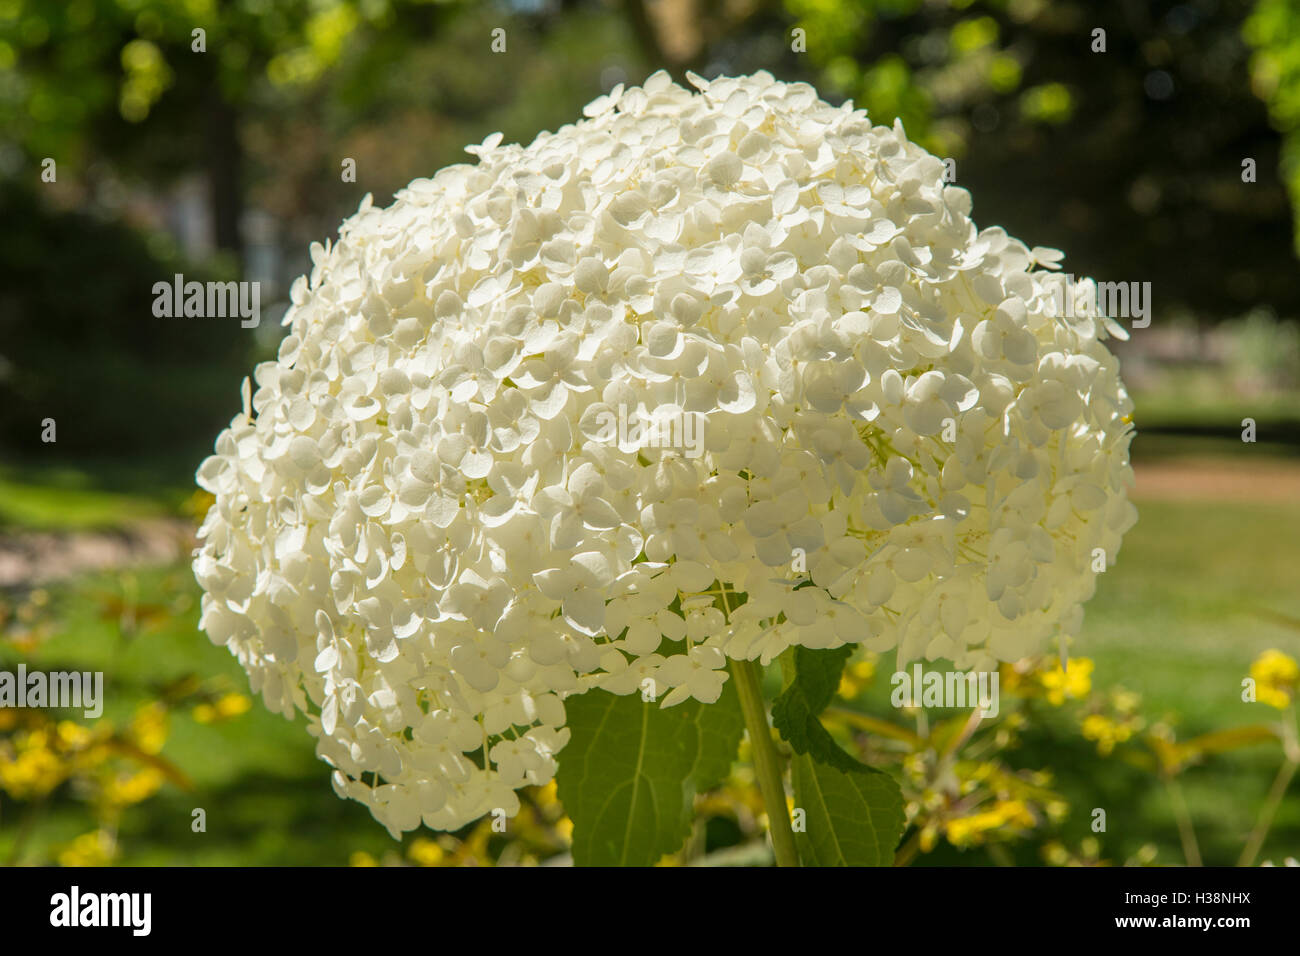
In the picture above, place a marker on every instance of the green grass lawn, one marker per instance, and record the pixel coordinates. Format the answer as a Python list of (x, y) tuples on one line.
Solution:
[(78, 496), (1179, 618), (1185, 609), (1198, 400), (46, 507)]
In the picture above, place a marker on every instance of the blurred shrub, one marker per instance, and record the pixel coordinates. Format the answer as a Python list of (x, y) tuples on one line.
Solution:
[(79, 342), (1264, 353)]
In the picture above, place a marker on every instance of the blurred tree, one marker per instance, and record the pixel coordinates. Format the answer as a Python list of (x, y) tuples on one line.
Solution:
[(161, 87), (79, 343), (1274, 31), (119, 94), (122, 93), (405, 101), (1129, 159), (117, 90)]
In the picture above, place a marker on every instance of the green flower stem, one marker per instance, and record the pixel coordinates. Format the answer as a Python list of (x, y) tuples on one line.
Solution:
[(1186, 832), (1271, 803), (1291, 751), (767, 763)]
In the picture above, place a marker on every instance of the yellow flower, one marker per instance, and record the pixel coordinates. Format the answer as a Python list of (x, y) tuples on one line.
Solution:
[(226, 707), (232, 705), (855, 677), (928, 837), (966, 831), (1016, 813), (95, 848), (1276, 676), (425, 852), (547, 795), (125, 789), (73, 736), (564, 827), (362, 858), (149, 728), (1074, 682), (1106, 732), (1010, 679), (961, 832), (475, 846), (197, 504), (32, 768), (1125, 701)]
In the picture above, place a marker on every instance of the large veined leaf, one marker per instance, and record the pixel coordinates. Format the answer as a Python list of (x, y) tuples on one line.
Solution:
[(795, 712), (629, 774), (853, 818), (852, 813)]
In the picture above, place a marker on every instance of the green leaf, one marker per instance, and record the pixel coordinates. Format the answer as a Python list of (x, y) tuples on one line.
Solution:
[(853, 813), (629, 774), (795, 712), (817, 674), (853, 818)]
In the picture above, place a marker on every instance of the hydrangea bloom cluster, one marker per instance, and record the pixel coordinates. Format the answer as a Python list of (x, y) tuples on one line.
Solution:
[(425, 538)]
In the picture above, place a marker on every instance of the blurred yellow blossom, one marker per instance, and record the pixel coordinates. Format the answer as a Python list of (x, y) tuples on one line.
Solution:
[(425, 852), (124, 789), (1074, 681), (96, 848), (29, 766), (1106, 731), (1125, 701), (1048, 679), (224, 708), (855, 677), (197, 505), (149, 727), (564, 827), (929, 836), (970, 830), (1276, 676), (73, 736)]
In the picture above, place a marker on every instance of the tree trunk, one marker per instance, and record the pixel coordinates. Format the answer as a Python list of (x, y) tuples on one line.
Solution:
[(224, 161)]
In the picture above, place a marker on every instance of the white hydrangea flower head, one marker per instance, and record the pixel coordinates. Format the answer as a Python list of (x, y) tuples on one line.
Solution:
[(425, 540)]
